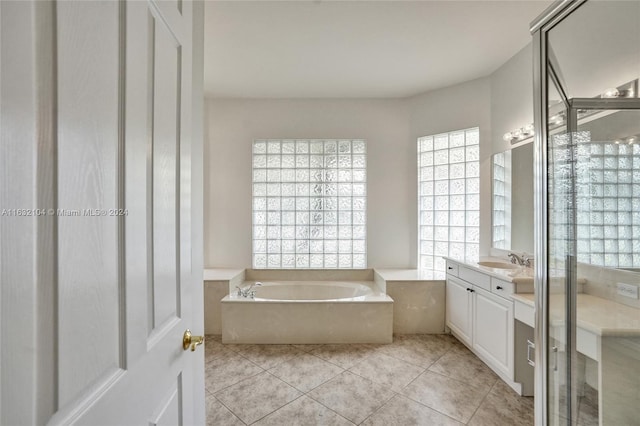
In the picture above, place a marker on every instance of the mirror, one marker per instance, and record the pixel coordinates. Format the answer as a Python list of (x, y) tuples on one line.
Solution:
[(512, 199)]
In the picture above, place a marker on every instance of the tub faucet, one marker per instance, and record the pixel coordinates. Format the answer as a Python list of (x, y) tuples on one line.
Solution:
[(523, 260), (248, 292)]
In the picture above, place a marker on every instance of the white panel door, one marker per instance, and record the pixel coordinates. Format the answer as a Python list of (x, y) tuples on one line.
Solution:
[(97, 149), (458, 308)]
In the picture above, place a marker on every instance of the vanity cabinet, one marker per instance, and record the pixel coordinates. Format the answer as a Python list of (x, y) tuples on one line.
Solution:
[(480, 313)]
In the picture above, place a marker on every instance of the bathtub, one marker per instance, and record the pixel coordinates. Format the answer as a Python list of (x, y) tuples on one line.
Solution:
[(308, 312)]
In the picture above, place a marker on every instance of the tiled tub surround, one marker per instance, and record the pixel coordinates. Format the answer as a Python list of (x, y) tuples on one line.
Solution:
[(480, 313), (418, 299), (418, 296), (336, 307), (416, 380)]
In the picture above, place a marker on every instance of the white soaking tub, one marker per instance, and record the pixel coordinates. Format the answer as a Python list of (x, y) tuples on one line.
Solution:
[(287, 312)]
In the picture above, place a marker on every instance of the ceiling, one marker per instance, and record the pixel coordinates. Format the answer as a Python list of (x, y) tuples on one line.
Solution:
[(357, 49)]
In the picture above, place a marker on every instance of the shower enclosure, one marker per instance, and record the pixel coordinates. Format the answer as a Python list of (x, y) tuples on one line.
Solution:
[(587, 185)]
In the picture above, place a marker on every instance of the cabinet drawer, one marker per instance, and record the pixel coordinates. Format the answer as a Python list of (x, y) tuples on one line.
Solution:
[(501, 288), (476, 278), (452, 268)]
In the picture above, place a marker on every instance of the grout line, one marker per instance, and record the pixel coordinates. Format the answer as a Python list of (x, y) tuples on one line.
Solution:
[(230, 410), (482, 402)]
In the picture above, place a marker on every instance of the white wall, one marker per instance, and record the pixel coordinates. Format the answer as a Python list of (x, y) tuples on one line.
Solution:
[(511, 97), (391, 164), (458, 107), (496, 104)]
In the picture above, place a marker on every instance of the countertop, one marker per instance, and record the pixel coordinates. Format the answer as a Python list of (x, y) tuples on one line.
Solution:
[(521, 275), (221, 274), (597, 315), (410, 275)]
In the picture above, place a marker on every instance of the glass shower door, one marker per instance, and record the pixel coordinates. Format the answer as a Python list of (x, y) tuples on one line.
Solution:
[(586, 71)]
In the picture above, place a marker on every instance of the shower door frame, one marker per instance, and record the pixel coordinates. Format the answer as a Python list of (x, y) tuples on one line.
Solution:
[(544, 73), (539, 29)]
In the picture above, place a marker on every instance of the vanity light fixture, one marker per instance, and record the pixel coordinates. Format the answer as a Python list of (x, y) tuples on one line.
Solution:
[(520, 134)]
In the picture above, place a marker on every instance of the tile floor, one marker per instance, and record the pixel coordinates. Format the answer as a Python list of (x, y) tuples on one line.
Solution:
[(416, 380)]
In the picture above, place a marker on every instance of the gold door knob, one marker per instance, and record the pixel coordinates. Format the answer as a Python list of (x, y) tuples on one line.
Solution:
[(189, 340)]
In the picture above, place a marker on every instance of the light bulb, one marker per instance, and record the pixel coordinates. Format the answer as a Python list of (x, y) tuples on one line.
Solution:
[(611, 93)]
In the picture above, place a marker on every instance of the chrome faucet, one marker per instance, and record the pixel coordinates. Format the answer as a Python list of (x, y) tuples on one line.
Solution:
[(248, 292), (523, 260)]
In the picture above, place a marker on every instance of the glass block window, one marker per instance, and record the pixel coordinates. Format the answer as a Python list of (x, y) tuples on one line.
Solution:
[(448, 197), (501, 221), (309, 204)]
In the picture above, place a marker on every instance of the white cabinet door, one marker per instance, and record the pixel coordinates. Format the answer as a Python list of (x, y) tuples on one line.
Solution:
[(493, 330), (458, 308), (96, 134)]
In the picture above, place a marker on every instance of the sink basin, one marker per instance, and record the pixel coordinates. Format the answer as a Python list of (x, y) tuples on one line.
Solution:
[(498, 265)]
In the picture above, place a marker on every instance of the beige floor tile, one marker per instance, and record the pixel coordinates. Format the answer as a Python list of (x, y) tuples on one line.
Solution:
[(218, 414), (345, 356), (503, 406), (448, 396), (268, 356), (352, 396), (387, 371), (466, 368), (257, 397), (228, 370), (414, 350), (303, 412), (213, 350), (305, 371), (401, 411)]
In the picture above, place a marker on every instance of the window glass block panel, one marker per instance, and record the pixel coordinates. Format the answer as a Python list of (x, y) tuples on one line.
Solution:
[(331, 261), (345, 261), (456, 155), (259, 189), (288, 232), (345, 232), (457, 171), (288, 261), (359, 261), (456, 139), (302, 161), (359, 246), (457, 186), (359, 203), (457, 218), (441, 157), (426, 262), (473, 169), (259, 218), (448, 179), (316, 261), (344, 203), (344, 147), (359, 176), (260, 232), (330, 246), (259, 203), (316, 246), (273, 189), (302, 261), (259, 261), (288, 161), (359, 189), (259, 246), (330, 147), (359, 232), (273, 203), (457, 234), (441, 218), (456, 250)]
